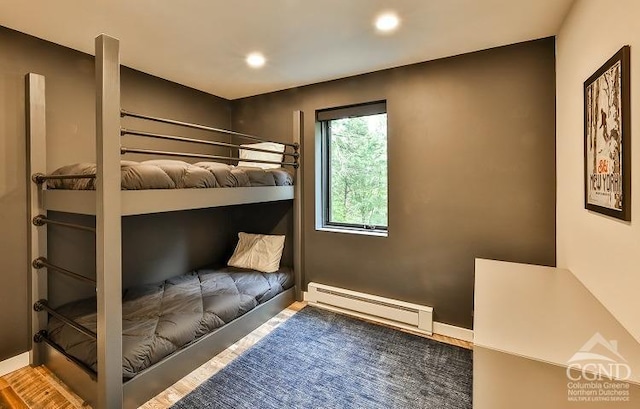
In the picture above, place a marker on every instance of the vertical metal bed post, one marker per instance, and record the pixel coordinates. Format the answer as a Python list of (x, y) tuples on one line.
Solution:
[(37, 163), (108, 223), (298, 216)]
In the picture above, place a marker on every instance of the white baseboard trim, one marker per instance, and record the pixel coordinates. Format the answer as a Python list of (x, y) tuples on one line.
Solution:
[(453, 331), (14, 363), (439, 328)]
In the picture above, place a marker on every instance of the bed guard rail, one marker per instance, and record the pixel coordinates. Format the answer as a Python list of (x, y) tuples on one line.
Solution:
[(124, 131), (125, 150), (125, 113)]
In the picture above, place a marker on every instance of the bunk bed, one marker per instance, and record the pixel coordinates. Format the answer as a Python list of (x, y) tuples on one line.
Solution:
[(111, 190)]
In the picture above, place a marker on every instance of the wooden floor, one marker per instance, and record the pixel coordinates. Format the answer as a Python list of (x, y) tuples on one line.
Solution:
[(31, 388)]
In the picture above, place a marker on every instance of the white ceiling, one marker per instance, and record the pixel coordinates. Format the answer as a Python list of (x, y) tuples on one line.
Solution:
[(203, 43)]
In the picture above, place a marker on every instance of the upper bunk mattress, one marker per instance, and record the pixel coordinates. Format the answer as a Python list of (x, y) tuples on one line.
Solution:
[(175, 174), (159, 319)]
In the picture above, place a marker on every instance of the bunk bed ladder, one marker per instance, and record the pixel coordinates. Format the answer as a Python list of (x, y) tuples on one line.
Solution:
[(108, 226), (42, 305)]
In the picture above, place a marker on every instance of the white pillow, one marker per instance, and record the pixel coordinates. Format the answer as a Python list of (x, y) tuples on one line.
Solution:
[(275, 157), (258, 252)]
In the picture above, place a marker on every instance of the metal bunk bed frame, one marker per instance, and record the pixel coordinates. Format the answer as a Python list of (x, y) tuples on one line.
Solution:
[(105, 388)]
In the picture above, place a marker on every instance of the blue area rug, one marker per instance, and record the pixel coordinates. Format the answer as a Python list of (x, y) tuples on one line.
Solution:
[(319, 359)]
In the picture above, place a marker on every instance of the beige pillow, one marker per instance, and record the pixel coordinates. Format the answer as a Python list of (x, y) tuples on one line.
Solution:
[(278, 149), (259, 252)]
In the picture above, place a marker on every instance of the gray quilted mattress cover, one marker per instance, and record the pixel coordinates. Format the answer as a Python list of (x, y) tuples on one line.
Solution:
[(159, 319), (175, 174)]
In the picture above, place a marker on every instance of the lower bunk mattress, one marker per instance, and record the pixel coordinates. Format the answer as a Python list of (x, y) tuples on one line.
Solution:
[(159, 319)]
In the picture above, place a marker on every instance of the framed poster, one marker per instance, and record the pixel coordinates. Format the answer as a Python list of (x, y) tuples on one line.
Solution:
[(607, 153)]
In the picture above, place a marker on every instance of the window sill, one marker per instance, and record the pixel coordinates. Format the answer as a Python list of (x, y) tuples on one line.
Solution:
[(362, 232)]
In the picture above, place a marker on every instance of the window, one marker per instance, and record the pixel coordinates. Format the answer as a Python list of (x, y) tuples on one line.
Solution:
[(354, 168)]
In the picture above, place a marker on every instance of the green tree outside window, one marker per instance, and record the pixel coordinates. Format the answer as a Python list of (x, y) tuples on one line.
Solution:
[(358, 171)]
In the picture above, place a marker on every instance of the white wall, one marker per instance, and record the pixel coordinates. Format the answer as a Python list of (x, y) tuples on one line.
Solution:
[(602, 252)]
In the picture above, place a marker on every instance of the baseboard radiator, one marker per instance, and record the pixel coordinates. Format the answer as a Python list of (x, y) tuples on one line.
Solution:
[(385, 310)]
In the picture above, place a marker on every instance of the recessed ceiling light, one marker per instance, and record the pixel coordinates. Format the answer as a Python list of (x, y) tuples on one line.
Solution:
[(255, 60), (387, 22)]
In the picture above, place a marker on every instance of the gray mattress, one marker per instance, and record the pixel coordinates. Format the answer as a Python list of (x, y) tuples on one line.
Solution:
[(175, 174), (159, 319)]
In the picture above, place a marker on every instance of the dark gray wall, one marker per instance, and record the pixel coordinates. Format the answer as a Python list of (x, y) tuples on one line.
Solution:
[(71, 138), (471, 144)]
